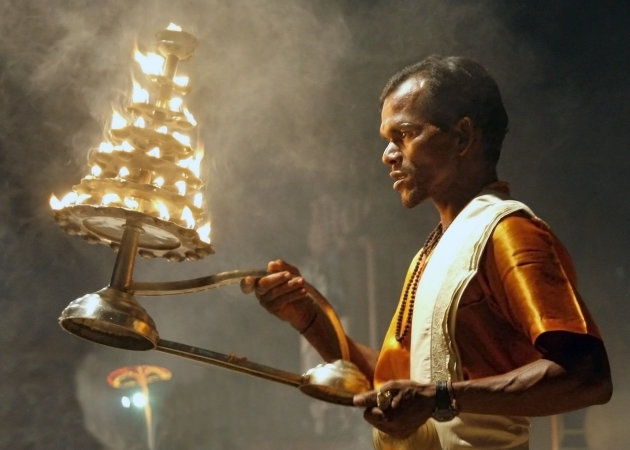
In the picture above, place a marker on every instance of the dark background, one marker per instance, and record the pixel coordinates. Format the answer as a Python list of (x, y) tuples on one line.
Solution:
[(286, 96)]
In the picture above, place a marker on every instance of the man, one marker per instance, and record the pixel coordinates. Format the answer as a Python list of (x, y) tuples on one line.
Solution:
[(489, 329)]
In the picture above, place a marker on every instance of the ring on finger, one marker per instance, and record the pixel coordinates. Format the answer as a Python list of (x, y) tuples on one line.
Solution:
[(383, 400)]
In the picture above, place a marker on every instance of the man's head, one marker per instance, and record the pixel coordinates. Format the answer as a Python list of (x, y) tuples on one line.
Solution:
[(457, 87)]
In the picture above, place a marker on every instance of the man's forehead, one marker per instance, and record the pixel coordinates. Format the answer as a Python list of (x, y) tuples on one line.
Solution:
[(408, 90), (411, 86), (404, 98)]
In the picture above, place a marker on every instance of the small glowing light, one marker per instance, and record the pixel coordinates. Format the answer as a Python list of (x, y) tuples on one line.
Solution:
[(140, 123), (81, 198), (198, 200), (96, 171), (187, 216), (151, 63), (193, 163), (162, 210), (181, 80), (162, 129), (159, 181), (189, 117), (110, 198), (125, 401), (139, 400), (155, 152), (131, 203), (106, 147), (55, 203), (139, 95), (69, 199), (126, 146), (118, 121), (182, 138), (173, 27), (123, 172), (175, 103), (181, 187), (204, 233)]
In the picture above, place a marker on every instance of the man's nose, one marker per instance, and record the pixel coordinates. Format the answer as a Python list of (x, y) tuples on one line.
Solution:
[(391, 155)]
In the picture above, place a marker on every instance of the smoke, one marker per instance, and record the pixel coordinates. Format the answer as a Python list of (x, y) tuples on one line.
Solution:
[(285, 93)]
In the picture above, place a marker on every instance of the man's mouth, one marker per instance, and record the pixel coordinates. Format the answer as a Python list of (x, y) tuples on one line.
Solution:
[(398, 177)]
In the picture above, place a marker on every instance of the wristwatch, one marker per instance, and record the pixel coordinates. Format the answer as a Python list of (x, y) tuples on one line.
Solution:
[(445, 409)]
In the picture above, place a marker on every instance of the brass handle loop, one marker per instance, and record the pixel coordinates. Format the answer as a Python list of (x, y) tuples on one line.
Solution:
[(233, 277)]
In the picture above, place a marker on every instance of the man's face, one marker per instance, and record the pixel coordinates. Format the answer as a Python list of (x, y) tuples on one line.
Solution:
[(422, 158)]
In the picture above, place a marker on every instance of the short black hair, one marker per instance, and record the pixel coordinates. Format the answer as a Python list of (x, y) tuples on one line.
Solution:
[(458, 87)]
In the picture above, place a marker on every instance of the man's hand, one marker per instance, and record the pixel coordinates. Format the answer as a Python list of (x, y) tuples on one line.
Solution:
[(282, 293), (404, 406)]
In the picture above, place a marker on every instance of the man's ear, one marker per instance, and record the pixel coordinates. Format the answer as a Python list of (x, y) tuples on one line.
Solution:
[(465, 135)]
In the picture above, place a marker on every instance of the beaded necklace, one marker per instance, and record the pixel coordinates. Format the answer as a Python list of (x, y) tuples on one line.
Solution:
[(409, 295)]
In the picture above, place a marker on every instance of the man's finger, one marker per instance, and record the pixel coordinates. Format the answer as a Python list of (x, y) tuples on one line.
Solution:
[(248, 284), (366, 399)]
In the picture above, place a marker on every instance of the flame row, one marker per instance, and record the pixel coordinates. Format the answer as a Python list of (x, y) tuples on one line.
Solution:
[(131, 203)]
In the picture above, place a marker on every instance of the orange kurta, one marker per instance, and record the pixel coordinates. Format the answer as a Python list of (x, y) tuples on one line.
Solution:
[(526, 286)]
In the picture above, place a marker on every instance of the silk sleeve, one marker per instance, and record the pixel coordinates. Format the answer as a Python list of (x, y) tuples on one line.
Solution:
[(535, 280)]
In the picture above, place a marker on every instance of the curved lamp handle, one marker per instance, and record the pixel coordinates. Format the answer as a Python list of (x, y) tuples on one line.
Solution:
[(234, 277)]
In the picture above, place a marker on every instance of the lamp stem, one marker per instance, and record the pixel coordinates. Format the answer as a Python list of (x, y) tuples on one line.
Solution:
[(122, 276)]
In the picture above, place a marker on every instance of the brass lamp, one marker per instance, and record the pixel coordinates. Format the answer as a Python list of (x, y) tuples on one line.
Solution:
[(143, 196)]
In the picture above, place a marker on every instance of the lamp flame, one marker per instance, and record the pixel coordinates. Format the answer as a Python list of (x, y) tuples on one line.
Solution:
[(193, 163), (151, 63), (162, 210), (181, 80), (140, 122), (176, 103), (189, 117), (131, 203), (110, 198), (96, 171), (181, 187), (182, 138), (118, 121), (198, 200), (187, 216), (106, 147), (55, 203), (139, 95), (204, 233)]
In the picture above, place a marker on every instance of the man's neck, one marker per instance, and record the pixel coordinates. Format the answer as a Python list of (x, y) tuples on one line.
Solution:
[(460, 195)]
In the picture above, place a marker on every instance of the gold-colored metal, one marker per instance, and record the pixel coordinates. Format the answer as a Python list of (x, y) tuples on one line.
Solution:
[(110, 317), (147, 170), (143, 196), (113, 317), (334, 382), (235, 276)]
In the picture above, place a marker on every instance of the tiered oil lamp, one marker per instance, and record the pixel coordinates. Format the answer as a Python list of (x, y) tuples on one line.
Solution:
[(145, 178), (143, 196)]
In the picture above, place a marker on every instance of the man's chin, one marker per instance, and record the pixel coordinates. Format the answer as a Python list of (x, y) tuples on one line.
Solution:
[(410, 201)]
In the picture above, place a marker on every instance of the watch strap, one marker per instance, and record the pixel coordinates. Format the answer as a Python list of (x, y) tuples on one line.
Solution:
[(444, 402)]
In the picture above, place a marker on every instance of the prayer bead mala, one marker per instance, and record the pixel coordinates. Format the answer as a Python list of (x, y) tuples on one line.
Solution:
[(409, 295)]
